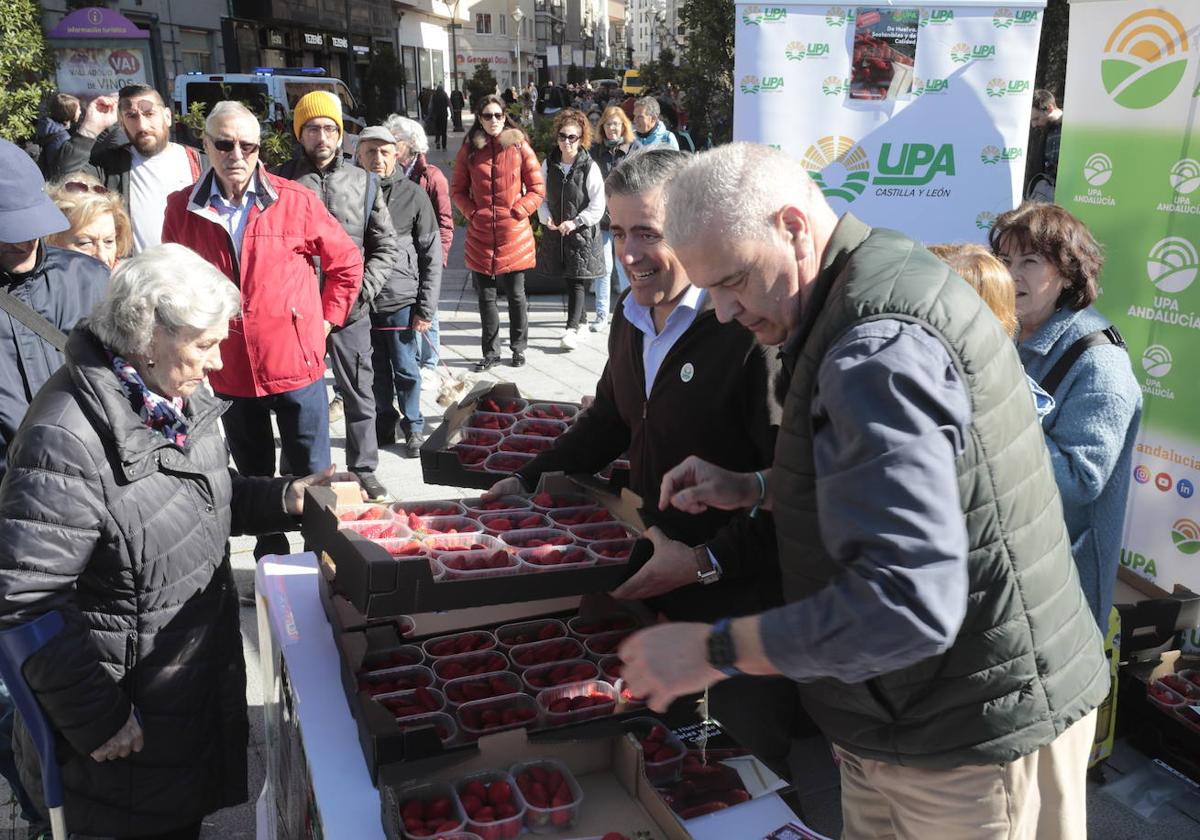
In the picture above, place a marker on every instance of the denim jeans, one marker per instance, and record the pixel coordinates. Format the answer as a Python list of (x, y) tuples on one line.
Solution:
[(394, 347), (431, 349), (602, 285)]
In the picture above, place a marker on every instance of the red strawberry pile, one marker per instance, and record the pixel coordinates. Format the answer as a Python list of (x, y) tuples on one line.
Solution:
[(606, 644), (1182, 686), (363, 515), (464, 643), (549, 412), (551, 675), (532, 633), (408, 548), (584, 517), (470, 455), (556, 557), (483, 719), (501, 504), (604, 625), (378, 530), (487, 806), (605, 532), (426, 818), (541, 429), (614, 549), (390, 659), (475, 562), (495, 422), (387, 683), (447, 525), (546, 788), (470, 666), (507, 462), (529, 445), (503, 523), (496, 406), (705, 788), (656, 747), (430, 509), (546, 652), (549, 502), (496, 685), (536, 541), (1164, 695), (612, 668), (421, 701), (449, 546), (598, 704), (479, 437)]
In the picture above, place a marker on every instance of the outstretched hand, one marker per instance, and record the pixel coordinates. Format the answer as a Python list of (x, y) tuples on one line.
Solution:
[(294, 498), (696, 485)]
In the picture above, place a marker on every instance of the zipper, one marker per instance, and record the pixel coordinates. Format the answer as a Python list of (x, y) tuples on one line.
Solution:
[(495, 245), (130, 650)]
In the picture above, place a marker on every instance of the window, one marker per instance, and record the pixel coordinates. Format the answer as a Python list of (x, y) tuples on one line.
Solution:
[(503, 24), (483, 24), (195, 50)]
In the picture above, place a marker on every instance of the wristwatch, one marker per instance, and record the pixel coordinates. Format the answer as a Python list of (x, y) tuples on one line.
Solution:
[(721, 652), (706, 571)]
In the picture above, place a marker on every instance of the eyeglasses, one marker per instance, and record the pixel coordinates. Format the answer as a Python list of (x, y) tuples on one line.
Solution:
[(492, 115), (569, 138), (80, 187), (226, 146), (327, 130), (135, 113)]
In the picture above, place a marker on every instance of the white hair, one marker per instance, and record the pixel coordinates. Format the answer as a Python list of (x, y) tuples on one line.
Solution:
[(409, 132), (648, 104), (169, 286), (229, 109), (736, 189)]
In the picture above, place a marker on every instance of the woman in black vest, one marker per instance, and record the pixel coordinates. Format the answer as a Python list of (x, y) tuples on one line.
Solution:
[(571, 242)]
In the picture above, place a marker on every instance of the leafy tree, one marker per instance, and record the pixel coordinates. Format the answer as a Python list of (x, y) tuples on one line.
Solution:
[(382, 81), (706, 71), (481, 83), (657, 74), (604, 72), (26, 66)]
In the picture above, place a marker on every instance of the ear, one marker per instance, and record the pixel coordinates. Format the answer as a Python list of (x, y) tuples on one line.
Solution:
[(167, 115), (793, 225)]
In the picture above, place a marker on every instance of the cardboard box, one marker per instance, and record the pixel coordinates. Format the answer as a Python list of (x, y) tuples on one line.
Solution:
[(608, 768), (379, 585)]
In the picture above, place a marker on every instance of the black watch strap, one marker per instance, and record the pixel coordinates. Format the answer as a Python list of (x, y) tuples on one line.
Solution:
[(721, 651)]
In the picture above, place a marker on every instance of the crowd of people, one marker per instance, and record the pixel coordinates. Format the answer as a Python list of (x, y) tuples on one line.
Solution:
[(767, 361)]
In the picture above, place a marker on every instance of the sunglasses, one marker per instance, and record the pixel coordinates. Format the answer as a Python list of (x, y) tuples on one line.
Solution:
[(569, 138), (491, 115), (226, 146), (80, 187)]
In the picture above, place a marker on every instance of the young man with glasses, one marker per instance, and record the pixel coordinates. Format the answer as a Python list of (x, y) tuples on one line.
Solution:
[(145, 169), (265, 233)]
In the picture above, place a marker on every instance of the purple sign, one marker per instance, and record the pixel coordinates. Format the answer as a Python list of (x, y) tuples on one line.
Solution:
[(96, 22)]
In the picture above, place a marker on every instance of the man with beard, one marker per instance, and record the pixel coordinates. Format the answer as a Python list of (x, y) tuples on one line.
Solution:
[(145, 170)]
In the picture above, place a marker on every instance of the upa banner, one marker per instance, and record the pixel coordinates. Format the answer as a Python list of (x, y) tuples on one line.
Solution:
[(1129, 167), (913, 116)]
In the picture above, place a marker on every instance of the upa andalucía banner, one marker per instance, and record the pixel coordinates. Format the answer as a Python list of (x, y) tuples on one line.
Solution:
[(912, 116), (1130, 168)]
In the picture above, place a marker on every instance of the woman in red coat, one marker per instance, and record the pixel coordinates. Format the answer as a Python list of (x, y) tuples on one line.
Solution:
[(498, 185)]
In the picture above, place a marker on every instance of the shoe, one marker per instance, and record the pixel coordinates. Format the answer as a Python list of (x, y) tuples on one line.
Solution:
[(569, 339), (412, 446), (336, 410), (486, 363), (518, 359), (383, 437), (376, 492), (599, 324)]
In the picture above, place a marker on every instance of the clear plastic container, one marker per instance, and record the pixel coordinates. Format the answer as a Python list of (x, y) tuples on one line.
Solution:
[(454, 644), (501, 405), (485, 438), (475, 565), (506, 463), (485, 687), (1183, 686), (540, 677), (527, 632), (548, 429), (499, 524), (419, 701), (548, 819), (544, 653), (444, 725), (601, 694), (604, 644), (433, 525), (602, 532), (392, 658), (483, 717), (535, 537), (404, 548), (611, 668), (528, 444), (469, 665), (438, 544), (671, 749), (612, 552), (472, 457), (431, 507), (546, 502), (430, 824), (477, 507), (404, 678), (566, 517), (499, 828), (555, 558), (585, 629), (559, 412), (362, 513), (377, 529), (1165, 697), (491, 421), (606, 474), (1191, 675)]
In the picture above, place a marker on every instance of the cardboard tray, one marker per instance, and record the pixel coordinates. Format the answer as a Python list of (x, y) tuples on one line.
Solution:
[(379, 586)]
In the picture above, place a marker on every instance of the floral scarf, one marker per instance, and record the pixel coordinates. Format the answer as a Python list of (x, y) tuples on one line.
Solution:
[(157, 412)]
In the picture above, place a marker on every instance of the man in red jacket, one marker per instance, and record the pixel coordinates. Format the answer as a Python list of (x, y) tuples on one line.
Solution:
[(264, 233)]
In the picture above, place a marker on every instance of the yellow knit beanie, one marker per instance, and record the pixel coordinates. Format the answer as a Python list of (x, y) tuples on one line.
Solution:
[(317, 103)]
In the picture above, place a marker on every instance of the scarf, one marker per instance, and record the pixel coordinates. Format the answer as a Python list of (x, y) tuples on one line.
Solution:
[(157, 412)]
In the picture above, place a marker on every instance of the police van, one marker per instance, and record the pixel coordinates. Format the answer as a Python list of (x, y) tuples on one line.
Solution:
[(270, 92)]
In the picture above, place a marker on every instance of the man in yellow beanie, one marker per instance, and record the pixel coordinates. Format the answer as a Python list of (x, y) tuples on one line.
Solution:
[(353, 197)]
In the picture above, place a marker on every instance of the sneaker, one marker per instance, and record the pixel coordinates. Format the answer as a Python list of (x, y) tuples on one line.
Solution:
[(599, 324), (486, 363), (412, 446), (569, 339), (336, 410), (376, 492), (518, 359)]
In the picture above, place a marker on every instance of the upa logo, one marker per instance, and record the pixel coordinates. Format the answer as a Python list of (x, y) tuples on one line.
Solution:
[(839, 166), (124, 62), (1145, 59), (1172, 264), (750, 84), (798, 51), (915, 164), (837, 17), (755, 15), (1186, 535), (1001, 87), (1140, 563), (990, 155), (771, 84), (834, 85), (1185, 176), (985, 220), (963, 52), (937, 17), (930, 87), (1156, 361), (1004, 18), (1097, 169)]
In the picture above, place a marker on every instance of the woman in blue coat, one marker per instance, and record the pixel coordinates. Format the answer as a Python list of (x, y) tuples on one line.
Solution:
[(1054, 262)]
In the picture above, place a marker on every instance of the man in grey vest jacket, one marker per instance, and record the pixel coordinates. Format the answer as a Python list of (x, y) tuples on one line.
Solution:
[(934, 620)]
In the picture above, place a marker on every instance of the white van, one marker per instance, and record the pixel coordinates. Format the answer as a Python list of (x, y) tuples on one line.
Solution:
[(271, 93)]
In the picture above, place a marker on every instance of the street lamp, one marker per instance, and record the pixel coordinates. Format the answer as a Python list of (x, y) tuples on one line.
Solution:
[(517, 17)]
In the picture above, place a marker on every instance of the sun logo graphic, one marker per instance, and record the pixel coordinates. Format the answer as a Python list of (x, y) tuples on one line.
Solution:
[(1145, 59), (834, 85), (1186, 535), (1172, 264), (990, 154), (1156, 361), (837, 17), (985, 220), (997, 87), (752, 15), (1185, 176), (1097, 170), (750, 84), (839, 166), (1004, 17)]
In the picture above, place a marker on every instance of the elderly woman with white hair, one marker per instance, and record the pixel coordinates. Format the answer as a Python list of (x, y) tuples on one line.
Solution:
[(411, 148), (116, 511)]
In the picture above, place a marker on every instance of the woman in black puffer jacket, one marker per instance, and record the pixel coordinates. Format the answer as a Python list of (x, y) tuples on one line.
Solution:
[(116, 511)]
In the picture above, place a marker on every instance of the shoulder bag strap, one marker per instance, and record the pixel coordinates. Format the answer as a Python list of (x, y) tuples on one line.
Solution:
[(18, 309), (1059, 372), (372, 185)]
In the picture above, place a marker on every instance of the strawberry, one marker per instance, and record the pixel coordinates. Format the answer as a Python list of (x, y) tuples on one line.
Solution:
[(437, 809), (544, 500), (413, 809), (471, 803), (499, 792), (444, 827), (657, 734), (538, 797), (539, 774), (599, 516), (532, 521), (476, 789), (549, 631), (500, 686), (497, 560)]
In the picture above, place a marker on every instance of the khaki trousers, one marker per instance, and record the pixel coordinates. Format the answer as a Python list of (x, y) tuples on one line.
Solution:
[(1040, 796)]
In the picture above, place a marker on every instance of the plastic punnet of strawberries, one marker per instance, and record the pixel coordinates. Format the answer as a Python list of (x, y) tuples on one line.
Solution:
[(430, 817)]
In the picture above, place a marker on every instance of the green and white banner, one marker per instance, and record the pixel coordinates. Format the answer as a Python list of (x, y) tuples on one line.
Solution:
[(1130, 168), (914, 116)]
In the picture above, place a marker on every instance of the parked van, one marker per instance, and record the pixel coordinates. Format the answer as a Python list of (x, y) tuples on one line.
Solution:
[(271, 93), (633, 82)]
